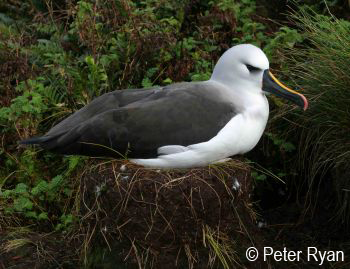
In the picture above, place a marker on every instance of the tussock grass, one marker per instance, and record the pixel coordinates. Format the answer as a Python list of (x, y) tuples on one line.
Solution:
[(321, 68)]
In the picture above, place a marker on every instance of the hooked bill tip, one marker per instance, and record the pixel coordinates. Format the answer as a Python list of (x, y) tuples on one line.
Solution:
[(306, 103)]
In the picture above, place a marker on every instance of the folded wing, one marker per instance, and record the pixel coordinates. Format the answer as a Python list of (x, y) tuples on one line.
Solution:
[(140, 121)]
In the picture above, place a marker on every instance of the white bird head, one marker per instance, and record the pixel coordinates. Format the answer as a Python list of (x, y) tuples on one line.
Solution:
[(245, 68), (241, 65)]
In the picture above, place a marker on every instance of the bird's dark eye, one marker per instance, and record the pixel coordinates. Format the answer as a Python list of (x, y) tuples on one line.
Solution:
[(252, 68)]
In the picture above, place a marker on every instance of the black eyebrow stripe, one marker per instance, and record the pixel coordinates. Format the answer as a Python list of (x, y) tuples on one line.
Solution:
[(252, 68)]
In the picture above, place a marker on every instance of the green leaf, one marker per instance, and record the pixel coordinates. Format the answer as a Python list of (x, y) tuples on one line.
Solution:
[(43, 216), (21, 188), (41, 187), (167, 81), (146, 83), (31, 214), (22, 203), (89, 60), (53, 188), (73, 161), (6, 194), (67, 219)]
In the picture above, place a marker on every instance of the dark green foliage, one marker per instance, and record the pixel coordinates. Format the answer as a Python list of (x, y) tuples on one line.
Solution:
[(39, 199)]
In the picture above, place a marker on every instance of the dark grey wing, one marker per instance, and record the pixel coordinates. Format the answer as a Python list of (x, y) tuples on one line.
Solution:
[(103, 103), (180, 114)]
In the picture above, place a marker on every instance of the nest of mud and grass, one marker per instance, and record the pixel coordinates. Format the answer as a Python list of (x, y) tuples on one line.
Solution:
[(132, 217)]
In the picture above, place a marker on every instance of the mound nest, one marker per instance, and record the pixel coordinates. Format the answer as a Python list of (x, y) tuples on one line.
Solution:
[(132, 217), (167, 219)]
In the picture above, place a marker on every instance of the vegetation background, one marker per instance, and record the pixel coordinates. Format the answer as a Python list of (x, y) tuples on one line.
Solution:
[(56, 56)]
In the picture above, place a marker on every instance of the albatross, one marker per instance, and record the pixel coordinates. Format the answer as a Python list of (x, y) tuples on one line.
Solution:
[(183, 125)]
